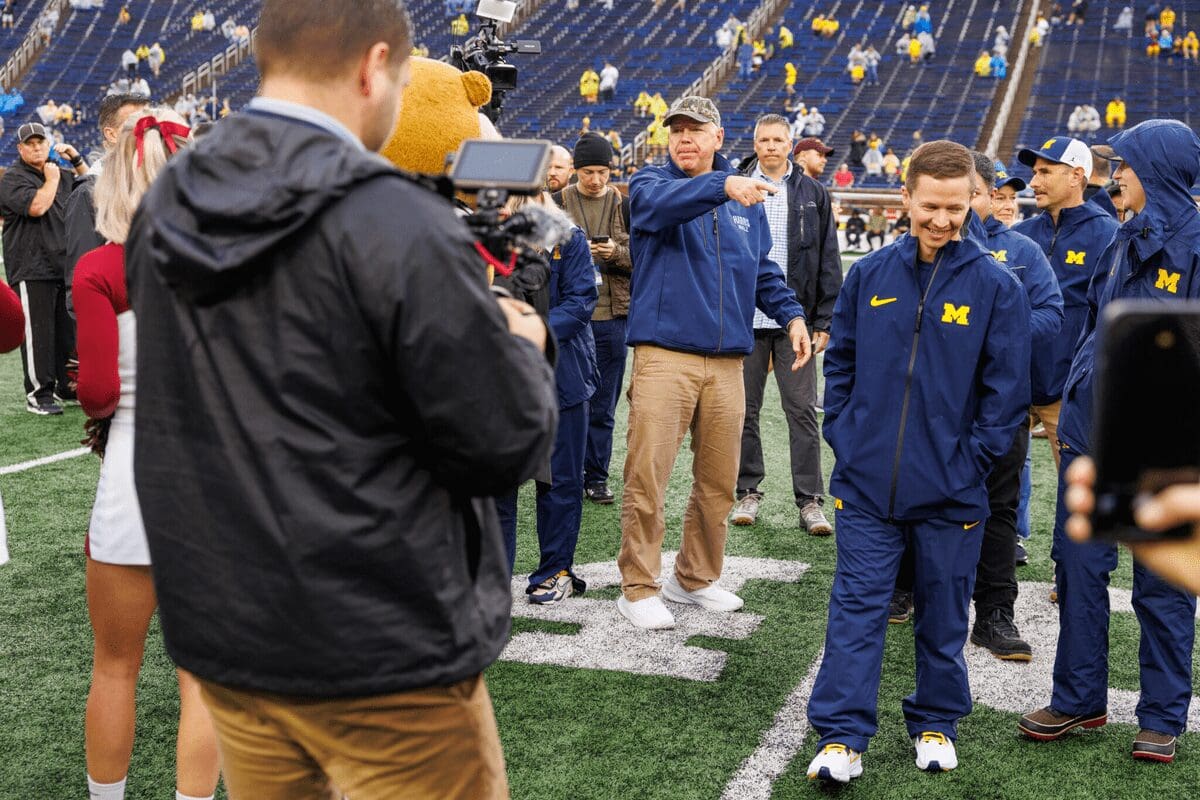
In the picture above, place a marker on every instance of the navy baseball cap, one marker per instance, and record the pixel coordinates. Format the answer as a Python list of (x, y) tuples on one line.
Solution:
[(1004, 179), (1060, 150)]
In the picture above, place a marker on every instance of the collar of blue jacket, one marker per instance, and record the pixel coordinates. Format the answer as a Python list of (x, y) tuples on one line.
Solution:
[(1165, 155)]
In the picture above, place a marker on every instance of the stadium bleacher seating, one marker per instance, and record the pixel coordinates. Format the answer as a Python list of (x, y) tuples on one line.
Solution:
[(942, 98), (1093, 64)]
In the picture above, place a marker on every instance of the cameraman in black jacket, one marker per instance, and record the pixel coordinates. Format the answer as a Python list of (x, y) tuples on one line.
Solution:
[(328, 398)]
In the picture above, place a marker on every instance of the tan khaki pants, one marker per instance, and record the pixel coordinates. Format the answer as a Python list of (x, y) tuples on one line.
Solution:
[(671, 393), (1048, 416), (439, 742)]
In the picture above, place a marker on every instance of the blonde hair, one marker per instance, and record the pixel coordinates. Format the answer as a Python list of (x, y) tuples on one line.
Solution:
[(124, 180)]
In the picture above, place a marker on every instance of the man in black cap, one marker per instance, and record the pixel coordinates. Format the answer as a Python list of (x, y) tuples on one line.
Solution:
[(811, 154), (601, 211), (33, 199)]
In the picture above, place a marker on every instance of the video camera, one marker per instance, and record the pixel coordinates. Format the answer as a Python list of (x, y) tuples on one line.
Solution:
[(484, 52), (516, 244)]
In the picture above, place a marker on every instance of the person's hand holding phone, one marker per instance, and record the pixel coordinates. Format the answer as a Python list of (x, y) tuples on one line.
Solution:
[(1175, 560), (602, 247)]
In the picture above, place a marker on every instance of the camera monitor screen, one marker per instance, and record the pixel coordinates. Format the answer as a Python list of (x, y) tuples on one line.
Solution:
[(516, 165), (501, 10)]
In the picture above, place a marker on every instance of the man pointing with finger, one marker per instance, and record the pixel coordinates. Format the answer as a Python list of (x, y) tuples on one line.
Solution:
[(700, 246)]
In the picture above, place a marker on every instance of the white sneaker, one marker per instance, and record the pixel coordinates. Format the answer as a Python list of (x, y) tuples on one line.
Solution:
[(649, 614), (935, 753), (835, 762), (713, 597)]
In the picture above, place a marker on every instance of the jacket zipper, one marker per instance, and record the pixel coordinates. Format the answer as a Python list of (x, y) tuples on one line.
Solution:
[(720, 285), (908, 378)]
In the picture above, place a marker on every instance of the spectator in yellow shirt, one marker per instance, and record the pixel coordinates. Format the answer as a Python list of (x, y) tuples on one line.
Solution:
[(789, 77), (1114, 113), (786, 39), (983, 65), (459, 26), (857, 71), (658, 106), (123, 17), (914, 51), (1191, 46), (641, 106), (1166, 18), (198, 21), (589, 85), (658, 137), (818, 24)]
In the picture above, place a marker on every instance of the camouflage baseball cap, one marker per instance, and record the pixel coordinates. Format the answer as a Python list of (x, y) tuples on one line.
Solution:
[(700, 109)]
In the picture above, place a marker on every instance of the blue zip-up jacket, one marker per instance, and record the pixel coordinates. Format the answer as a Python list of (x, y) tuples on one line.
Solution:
[(1073, 249), (701, 263), (1021, 256), (917, 414), (572, 301), (1154, 256)]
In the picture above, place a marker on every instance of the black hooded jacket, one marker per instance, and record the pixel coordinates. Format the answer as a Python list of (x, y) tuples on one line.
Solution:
[(326, 390)]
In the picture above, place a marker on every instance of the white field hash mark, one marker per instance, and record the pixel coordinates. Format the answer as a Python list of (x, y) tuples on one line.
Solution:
[(41, 462), (606, 640)]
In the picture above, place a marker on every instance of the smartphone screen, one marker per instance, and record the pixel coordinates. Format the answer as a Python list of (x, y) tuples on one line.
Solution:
[(1146, 430), (599, 239)]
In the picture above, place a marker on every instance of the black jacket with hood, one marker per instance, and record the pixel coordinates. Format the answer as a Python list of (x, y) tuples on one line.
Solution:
[(326, 393), (814, 268)]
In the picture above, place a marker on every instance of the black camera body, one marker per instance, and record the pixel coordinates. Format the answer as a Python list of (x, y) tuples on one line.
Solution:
[(485, 52)]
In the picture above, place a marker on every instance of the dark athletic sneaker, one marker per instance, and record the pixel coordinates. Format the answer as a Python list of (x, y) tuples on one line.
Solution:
[(998, 633), (901, 608)]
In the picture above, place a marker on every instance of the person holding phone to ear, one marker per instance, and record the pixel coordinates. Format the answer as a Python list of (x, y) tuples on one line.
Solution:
[(1155, 256)]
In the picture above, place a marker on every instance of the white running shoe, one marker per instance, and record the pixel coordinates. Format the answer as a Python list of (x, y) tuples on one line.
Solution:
[(935, 753), (713, 597), (835, 763), (649, 614)]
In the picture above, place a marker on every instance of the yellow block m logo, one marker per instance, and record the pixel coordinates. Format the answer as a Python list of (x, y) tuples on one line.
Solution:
[(1000, 255), (1167, 280), (1076, 256), (955, 314)]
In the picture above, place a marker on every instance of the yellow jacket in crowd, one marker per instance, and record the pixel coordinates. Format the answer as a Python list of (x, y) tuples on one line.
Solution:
[(643, 102), (1166, 18), (142, 52), (459, 26), (658, 106), (786, 39), (589, 83), (914, 49), (983, 65), (658, 132), (198, 21), (789, 74)]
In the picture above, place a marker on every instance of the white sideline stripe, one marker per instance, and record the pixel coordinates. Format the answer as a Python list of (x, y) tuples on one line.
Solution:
[(756, 778), (41, 462)]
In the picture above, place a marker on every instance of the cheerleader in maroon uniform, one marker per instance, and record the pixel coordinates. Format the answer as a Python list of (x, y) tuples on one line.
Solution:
[(12, 333), (121, 597)]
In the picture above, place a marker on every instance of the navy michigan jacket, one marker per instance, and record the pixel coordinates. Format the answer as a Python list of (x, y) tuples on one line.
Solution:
[(922, 397), (1154, 256)]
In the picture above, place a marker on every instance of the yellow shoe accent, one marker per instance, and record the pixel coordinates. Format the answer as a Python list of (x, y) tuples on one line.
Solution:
[(935, 737), (834, 747)]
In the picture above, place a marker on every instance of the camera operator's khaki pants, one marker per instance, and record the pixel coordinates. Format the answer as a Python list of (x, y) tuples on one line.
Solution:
[(438, 743), (671, 393), (1048, 416)]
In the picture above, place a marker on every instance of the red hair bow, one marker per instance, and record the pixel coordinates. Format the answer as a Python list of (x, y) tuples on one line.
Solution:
[(168, 131)]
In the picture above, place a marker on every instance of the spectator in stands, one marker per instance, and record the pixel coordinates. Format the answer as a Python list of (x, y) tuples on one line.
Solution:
[(983, 64), (928, 46), (1002, 39), (210, 21), (198, 21), (914, 49), (786, 37), (1124, 20), (815, 125), (689, 338), (33, 199), (818, 24), (843, 178), (1114, 113), (129, 63), (745, 56), (7, 19), (903, 45), (140, 87), (858, 148), (228, 27), (658, 138), (603, 214), (1078, 12), (830, 27), (241, 34), (901, 226), (155, 56), (872, 161), (459, 27), (589, 85), (877, 226), (46, 24), (891, 166), (724, 38), (1056, 14), (800, 121), (1153, 49), (80, 211), (857, 58), (967, 398), (923, 23), (873, 59), (1191, 46), (910, 16), (999, 66), (789, 78), (1166, 18), (1153, 260), (1166, 42), (658, 106), (1042, 28), (428, 609), (608, 82), (804, 243), (812, 155), (641, 106), (856, 227), (225, 109)]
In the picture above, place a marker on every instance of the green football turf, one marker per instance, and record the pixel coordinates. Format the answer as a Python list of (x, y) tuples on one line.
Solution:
[(567, 732)]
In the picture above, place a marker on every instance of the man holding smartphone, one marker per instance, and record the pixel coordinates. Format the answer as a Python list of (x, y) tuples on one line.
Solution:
[(1155, 256), (603, 215)]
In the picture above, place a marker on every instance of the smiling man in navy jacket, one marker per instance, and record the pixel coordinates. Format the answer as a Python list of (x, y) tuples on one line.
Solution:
[(701, 264), (926, 381)]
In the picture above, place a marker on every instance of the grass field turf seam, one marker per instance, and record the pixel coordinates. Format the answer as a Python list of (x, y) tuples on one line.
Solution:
[(585, 733)]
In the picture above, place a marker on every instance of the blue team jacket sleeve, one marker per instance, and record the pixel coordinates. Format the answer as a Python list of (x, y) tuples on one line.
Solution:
[(1004, 392), (576, 286), (657, 200), (771, 292), (1045, 298), (841, 353)]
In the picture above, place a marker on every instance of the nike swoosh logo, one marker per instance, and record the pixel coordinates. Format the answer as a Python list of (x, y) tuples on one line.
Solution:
[(876, 302), (968, 527)]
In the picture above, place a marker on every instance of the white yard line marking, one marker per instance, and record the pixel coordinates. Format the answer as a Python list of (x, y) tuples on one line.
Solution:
[(41, 462)]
